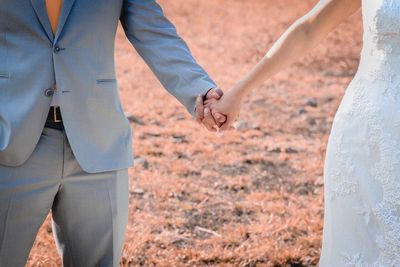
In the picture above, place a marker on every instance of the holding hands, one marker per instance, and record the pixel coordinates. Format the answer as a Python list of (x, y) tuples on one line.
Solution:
[(216, 110), (229, 105)]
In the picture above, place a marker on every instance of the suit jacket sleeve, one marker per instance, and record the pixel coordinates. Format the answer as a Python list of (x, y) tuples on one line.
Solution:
[(156, 40)]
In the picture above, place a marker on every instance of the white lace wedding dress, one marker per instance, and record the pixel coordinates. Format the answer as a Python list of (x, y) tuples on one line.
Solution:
[(362, 167)]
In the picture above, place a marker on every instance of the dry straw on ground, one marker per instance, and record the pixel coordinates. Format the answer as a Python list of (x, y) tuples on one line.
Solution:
[(249, 198)]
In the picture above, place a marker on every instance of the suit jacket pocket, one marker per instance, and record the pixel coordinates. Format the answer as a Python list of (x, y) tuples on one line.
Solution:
[(102, 81), (4, 75)]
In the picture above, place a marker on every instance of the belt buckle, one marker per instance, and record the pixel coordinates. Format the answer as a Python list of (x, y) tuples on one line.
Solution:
[(55, 115)]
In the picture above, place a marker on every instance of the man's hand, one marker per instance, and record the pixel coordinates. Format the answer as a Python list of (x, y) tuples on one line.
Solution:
[(203, 114)]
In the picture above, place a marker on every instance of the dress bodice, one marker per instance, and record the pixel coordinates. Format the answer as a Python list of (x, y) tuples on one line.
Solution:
[(382, 18), (381, 50)]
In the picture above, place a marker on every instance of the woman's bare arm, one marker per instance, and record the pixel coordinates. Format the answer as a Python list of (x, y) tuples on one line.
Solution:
[(296, 42), (299, 39)]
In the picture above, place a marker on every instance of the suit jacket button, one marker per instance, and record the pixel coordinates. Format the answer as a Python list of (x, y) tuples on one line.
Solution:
[(49, 92)]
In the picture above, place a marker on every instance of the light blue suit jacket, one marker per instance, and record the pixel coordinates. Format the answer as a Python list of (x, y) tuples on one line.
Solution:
[(79, 58)]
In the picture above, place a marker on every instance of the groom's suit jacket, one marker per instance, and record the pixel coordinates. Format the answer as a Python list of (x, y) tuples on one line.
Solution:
[(79, 58)]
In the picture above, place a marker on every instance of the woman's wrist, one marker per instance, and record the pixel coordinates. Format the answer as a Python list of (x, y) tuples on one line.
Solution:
[(240, 89)]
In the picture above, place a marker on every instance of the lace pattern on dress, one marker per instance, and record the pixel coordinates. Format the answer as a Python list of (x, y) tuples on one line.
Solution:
[(373, 98)]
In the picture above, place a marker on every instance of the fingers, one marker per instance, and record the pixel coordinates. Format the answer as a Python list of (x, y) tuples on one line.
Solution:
[(220, 118), (215, 93), (204, 107), (209, 121), (199, 109), (209, 102), (219, 92), (227, 125)]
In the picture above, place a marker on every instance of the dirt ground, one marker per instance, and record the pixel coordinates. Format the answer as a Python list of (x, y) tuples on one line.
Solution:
[(248, 198)]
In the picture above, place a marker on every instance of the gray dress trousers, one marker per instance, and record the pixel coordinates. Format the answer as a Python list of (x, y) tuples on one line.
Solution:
[(90, 210)]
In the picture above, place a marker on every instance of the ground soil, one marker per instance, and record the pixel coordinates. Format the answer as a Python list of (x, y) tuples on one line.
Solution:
[(248, 198)]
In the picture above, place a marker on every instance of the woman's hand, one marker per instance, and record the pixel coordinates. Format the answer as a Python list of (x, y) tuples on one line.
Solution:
[(229, 105)]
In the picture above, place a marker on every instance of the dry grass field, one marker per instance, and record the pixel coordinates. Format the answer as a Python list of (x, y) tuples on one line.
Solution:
[(253, 197)]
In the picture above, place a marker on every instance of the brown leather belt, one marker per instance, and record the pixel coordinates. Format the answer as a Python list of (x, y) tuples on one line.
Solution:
[(54, 119)]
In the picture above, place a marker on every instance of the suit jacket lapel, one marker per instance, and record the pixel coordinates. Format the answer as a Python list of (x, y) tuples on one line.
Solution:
[(66, 9), (40, 9)]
